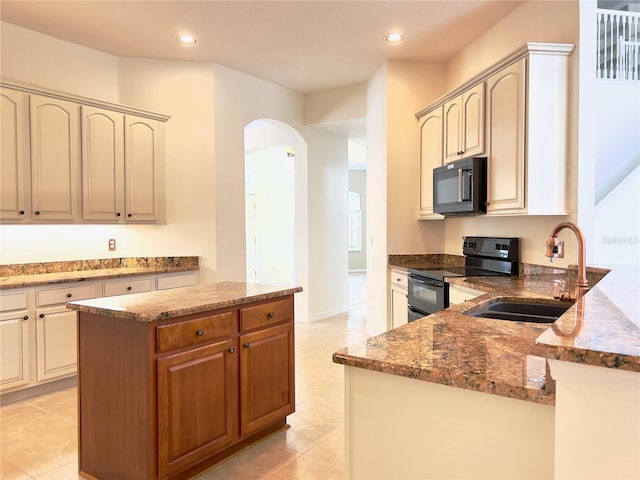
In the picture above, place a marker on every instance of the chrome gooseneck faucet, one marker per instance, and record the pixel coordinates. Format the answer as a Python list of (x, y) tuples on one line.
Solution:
[(555, 249)]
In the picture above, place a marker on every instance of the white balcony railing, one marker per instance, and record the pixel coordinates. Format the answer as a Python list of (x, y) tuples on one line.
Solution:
[(618, 45)]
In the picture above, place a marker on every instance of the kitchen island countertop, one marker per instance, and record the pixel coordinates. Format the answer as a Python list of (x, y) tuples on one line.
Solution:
[(160, 305)]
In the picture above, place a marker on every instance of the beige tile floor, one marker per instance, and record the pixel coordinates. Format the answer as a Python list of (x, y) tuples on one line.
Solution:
[(39, 435)]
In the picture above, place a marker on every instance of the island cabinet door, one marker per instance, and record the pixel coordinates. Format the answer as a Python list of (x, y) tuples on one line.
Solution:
[(197, 405), (266, 377)]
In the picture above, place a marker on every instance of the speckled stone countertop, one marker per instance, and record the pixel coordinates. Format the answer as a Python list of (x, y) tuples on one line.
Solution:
[(509, 358), (159, 305), (48, 273)]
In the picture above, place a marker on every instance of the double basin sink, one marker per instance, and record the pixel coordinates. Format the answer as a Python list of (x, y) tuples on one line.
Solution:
[(521, 310)]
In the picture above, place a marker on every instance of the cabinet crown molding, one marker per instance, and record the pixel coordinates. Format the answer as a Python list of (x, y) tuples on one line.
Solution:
[(30, 88), (529, 48)]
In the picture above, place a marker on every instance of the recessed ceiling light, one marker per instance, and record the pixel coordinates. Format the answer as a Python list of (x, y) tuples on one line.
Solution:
[(188, 39), (394, 37)]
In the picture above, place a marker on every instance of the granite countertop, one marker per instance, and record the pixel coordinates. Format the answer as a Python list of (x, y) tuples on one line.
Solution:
[(50, 273), (509, 358), (160, 305)]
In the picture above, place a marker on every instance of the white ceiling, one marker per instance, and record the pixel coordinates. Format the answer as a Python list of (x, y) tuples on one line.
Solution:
[(302, 45)]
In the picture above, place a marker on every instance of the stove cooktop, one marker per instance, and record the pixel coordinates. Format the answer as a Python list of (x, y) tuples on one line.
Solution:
[(439, 273)]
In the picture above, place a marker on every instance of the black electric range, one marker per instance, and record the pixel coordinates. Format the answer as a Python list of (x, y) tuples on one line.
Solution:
[(484, 256)]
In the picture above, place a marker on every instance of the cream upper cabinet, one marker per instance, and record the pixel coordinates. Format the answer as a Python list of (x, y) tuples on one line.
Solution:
[(143, 169), (464, 124), (70, 159), (430, 158), (527, 104), (505, 138), (102, 165), (55, 159), (14, 156), (515, 113)]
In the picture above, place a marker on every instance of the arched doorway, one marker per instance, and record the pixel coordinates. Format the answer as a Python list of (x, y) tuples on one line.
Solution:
[(276, 220)]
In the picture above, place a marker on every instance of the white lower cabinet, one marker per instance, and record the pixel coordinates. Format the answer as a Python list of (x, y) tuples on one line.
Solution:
[(176, 280), (14, 344), (16, 319), (459, 294), (56, 343), (38, 334), (399, 300), (124, 287)]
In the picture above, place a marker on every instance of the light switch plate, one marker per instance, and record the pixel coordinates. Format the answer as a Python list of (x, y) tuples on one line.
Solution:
[(112, 244)]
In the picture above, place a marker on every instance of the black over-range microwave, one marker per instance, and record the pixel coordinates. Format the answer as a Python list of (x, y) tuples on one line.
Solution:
[(460, 188)]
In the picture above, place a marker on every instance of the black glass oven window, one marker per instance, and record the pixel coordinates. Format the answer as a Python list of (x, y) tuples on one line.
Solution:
[(425, 294)]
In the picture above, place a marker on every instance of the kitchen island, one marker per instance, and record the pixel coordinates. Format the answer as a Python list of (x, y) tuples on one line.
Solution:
[(172, 382), (454, 396)]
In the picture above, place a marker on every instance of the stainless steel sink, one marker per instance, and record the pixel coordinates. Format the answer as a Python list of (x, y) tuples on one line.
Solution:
[(546, 311)]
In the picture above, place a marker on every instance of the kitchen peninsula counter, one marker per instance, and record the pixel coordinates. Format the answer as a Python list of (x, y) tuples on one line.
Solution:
[(502, 357), (515, 400)]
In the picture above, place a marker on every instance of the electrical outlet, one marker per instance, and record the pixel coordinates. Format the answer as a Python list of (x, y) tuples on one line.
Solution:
[(112, 244)]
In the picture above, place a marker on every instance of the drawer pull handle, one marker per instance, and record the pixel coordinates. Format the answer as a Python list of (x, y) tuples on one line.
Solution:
[(231, 350), (200, 332), (271, 314), (41, 315), (246, 345), (129, 288), (26, 317), (68, 295)]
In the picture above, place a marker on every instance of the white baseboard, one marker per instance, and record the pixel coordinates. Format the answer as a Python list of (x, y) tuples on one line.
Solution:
[(329, 313)]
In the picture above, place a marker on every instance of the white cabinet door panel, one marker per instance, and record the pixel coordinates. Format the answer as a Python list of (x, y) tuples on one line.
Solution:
[(56, 341), (55, 159)]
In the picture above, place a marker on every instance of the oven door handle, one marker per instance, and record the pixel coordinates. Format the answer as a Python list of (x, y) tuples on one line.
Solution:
[(428, 283), (459, 185)]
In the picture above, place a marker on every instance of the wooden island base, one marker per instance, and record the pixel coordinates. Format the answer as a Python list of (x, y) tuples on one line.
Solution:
[(167, 399)]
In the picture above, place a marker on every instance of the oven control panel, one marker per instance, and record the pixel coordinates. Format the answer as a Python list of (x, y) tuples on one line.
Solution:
[(492, 247)]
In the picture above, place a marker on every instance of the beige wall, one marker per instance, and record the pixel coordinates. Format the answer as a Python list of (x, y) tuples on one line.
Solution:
[(209, 107), (533, 21), (336, 105), (410, 86), (358, 184)]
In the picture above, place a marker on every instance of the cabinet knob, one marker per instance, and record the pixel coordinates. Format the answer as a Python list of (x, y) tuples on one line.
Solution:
[(26, 317), (37, 212), (21, 212), (117, 214), (129, 215), (69, 295), (231, 350), (41, 315), (200, 332), (129, 288), (271, 314), (246, 345)]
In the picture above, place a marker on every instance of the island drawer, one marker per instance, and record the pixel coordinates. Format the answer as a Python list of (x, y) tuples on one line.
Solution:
[(66, 294), (194, 332), (266, 314)]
